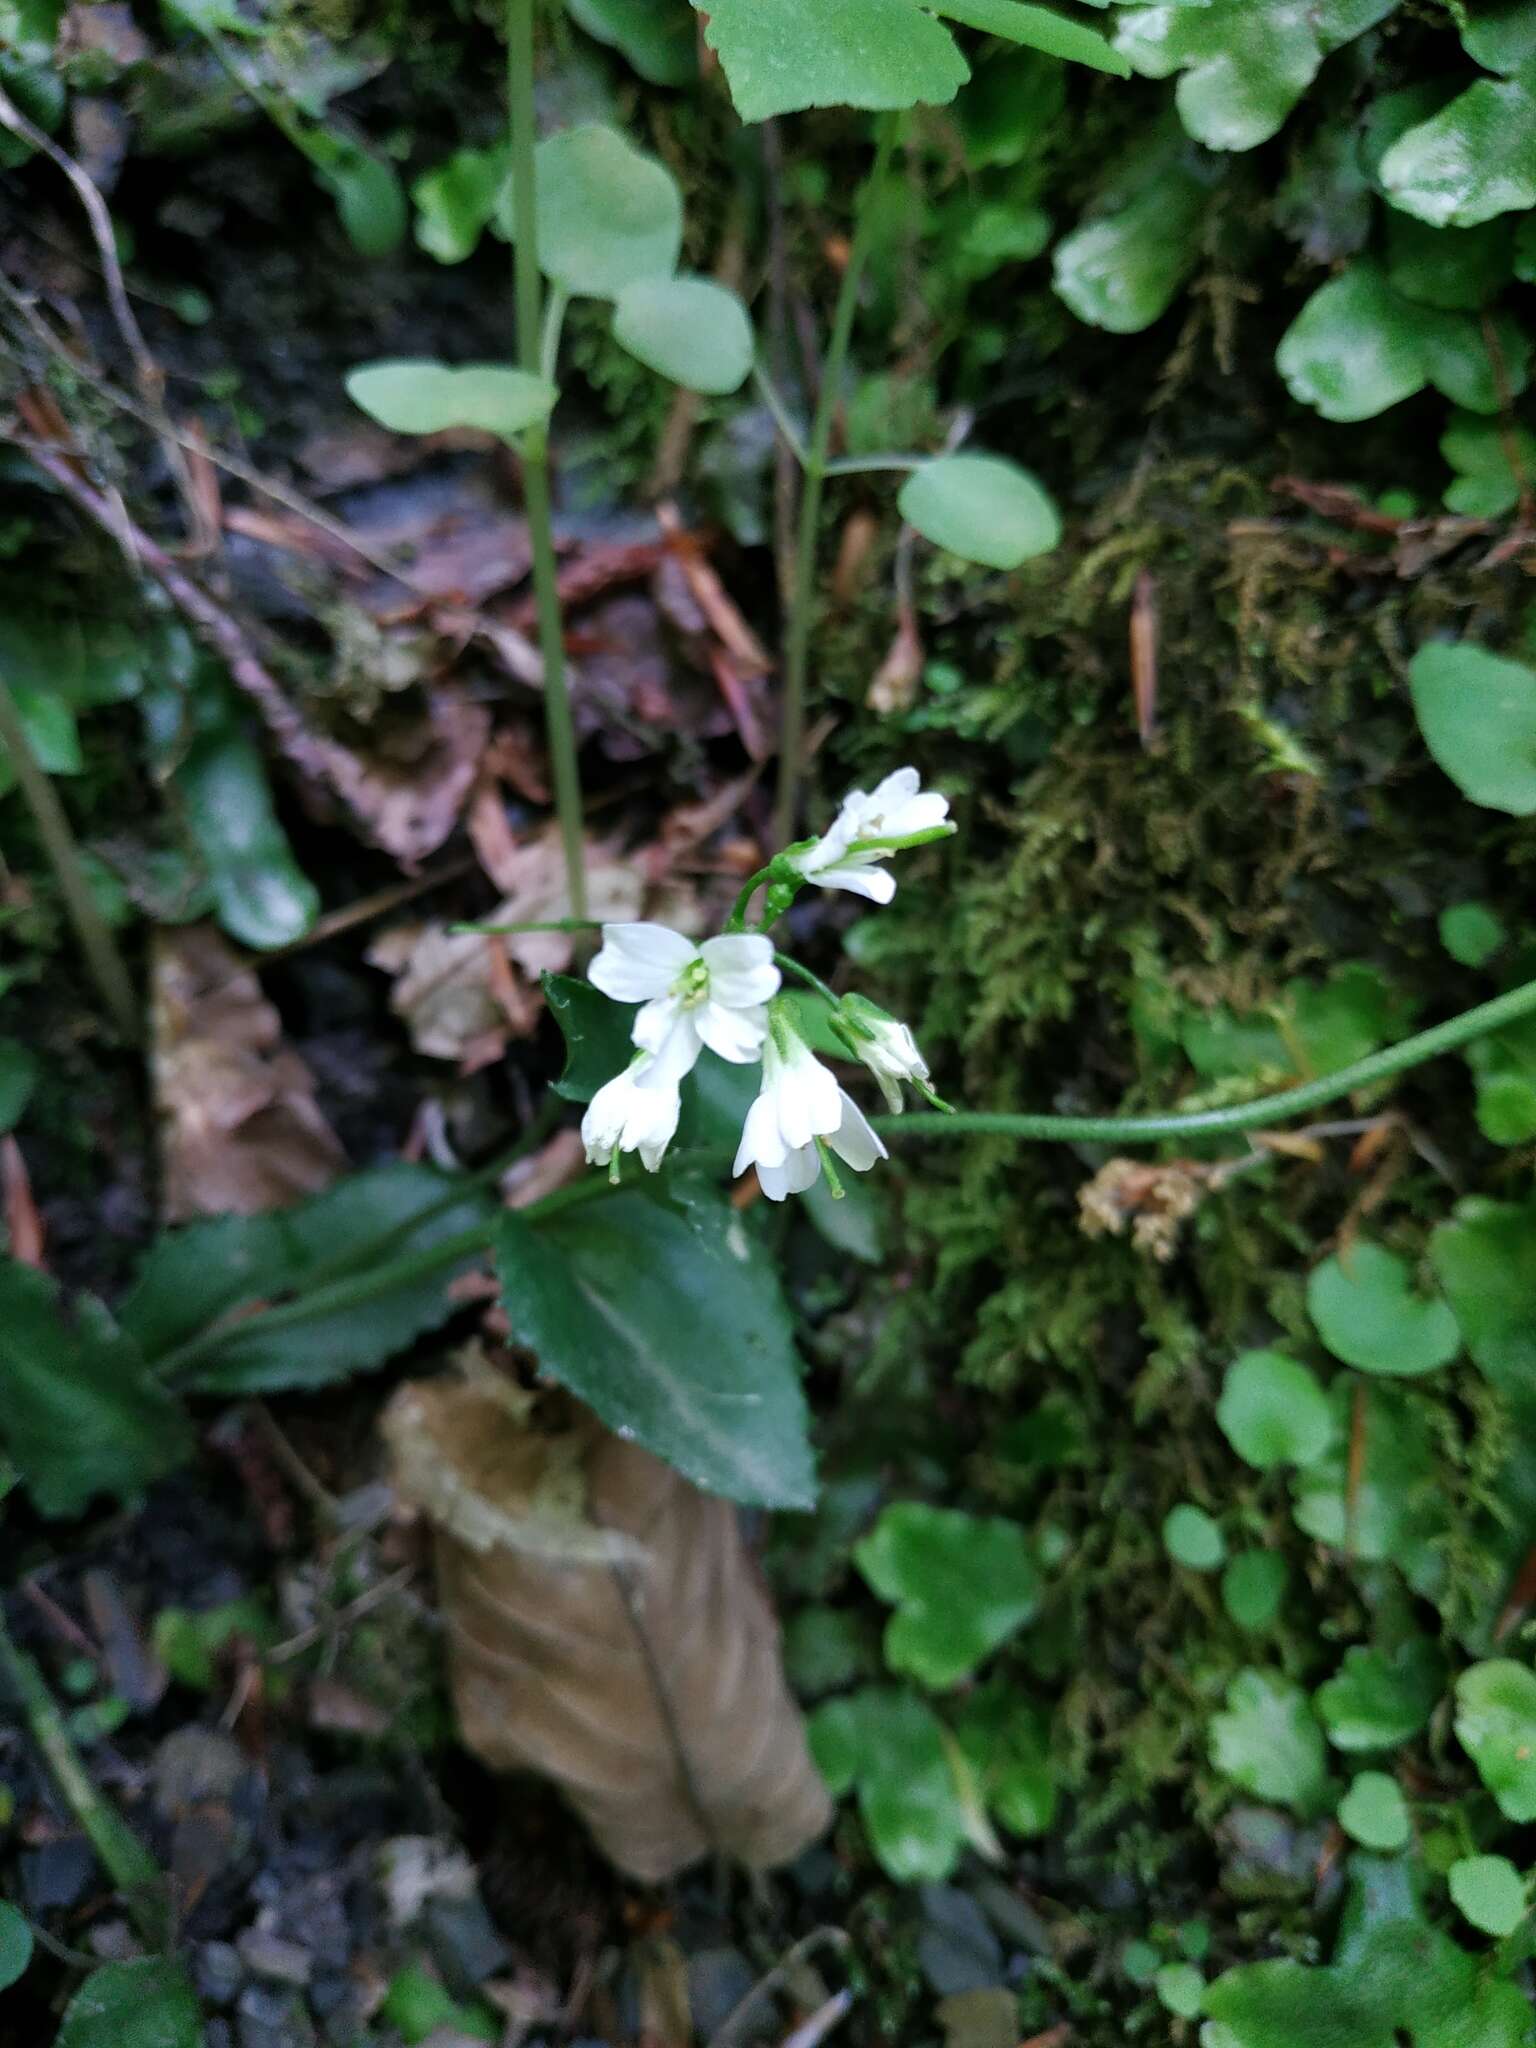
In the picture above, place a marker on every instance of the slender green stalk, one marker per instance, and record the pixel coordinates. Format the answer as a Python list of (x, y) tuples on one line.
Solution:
[(559, 729), (803, 594), (123, 1856), (865, 465), (773, 398), (91, 928), (811, 980)]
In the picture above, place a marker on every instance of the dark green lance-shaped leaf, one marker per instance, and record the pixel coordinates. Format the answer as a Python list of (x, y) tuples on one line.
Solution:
[(1485, 1259), (607, 213), (982, 508), (1456, 269), (262, 896), (596, 1031), (411, 396), (1273, 1411), (1474, 159), (15, 1945), (144, 2004), (890, 1746), (193, 1276), (1243, 67), (962, 1584), (1367, 1312), (1477, 712), (1496, 1724), (18, 1077), (1123, 270), (1268, 1742), (457, 200), (689, 330), (666, 1317), (658, 38), (1354, 348), (1485, 454), (81, 1415), (1038, 28), (1376, 1701), (780, 56)]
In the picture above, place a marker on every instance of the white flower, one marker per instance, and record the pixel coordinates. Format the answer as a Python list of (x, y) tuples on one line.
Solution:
[(900, 808), (693, 995), (885, 1045), (801, 1107), (637, 1111)]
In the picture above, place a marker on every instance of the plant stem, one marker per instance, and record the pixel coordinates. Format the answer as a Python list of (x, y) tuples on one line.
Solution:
[(91, 928), (811, 980), (773, 398), (864, 465), (559, 729), (123, 1856), (1242, 1116), (803, 595)]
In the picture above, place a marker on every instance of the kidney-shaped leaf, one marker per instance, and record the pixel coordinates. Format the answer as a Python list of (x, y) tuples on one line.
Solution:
[(1496, 1723), (1268, 1742), (1485, 1259), (981, 507), (607, 213), (890, 1745), (1375, 1701), (1122, 270), (688, 330), (147, 2003), (665, 1317), (1474, 159), (962, 1585), (782, 55), (1354, 348), (1368, 1314), (1273, 1411), (1477, 712), (1490, 1892), (418, 396)]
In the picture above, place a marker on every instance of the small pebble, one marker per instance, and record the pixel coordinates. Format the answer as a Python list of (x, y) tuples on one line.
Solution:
[(279, 1962), (219, 1972), (273, 2019)]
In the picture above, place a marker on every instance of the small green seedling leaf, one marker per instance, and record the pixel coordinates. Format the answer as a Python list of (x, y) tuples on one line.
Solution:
[(1374, 1813), (143, 2004), (419, 2006), (1123, 269), (889, 1745), (262, 896), (1180, 1989), (1193, 1539), (370, 202), (1252, 1588), (1456, 269), (1273, 1411), (687, 329), (1485, 1259), (608, 214), (1477, 712), (457, 200), (1471, 933), (1472, 160), (1354, 349), (981, 508), (657, 38), (666, 1317), (1496, 1724), (1007, 1742), (15, 1945), (411, 396), (1375, 1701), (780, 57), (1269, 1743), (1490, 1892), (1493, 459), (1389, 1505), (1367, 1313), (962, 1584)]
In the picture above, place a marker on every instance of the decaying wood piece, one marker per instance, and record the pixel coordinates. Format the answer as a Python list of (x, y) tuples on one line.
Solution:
[(608, 1629)]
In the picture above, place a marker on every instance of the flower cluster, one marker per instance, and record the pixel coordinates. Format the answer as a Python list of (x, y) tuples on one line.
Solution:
[(727, 994)]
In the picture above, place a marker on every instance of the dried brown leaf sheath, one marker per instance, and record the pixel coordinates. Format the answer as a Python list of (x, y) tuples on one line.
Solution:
[(646, 1681)]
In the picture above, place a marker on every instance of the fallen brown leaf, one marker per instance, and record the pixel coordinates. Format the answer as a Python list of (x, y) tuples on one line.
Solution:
[(240, 1129), (609, 1629), (23, 1226)]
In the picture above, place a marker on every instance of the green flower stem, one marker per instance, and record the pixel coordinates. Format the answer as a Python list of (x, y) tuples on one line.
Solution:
[(123, 1856), (773, 398), (866, 465), (1242, 1116), (737, 921), (91, 928), (812, 980), (533, 446), (803, 595)]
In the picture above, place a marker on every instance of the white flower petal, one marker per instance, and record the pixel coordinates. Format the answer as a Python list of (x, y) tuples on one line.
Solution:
[(801, 1170), (854, 1141), (807, 1097), (921, 814), (741, 969), (874, 883), (898, 788), (675, 1056), (638, 961), (655, 1021), (736, 1035), (653, 1132), (762, 1143)]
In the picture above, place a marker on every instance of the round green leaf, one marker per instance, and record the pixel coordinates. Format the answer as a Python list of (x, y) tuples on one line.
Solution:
[(1268, 1742), (1252, 1587), (981, 507), (962, 1584), (143, 2004), (1470, 161), (688, 330), (1273, 1411), (1374, 1701), (412, 396), (1193, 1539), (658, 37), (1374, 1813), (1489, 1891), (1471, 933), (15, 1945), (779, 57), (1477, 713), (1354, 348), (1123, 270), (1181, 1989), (1496, 1724), (1367, 1313), (607, 213)]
